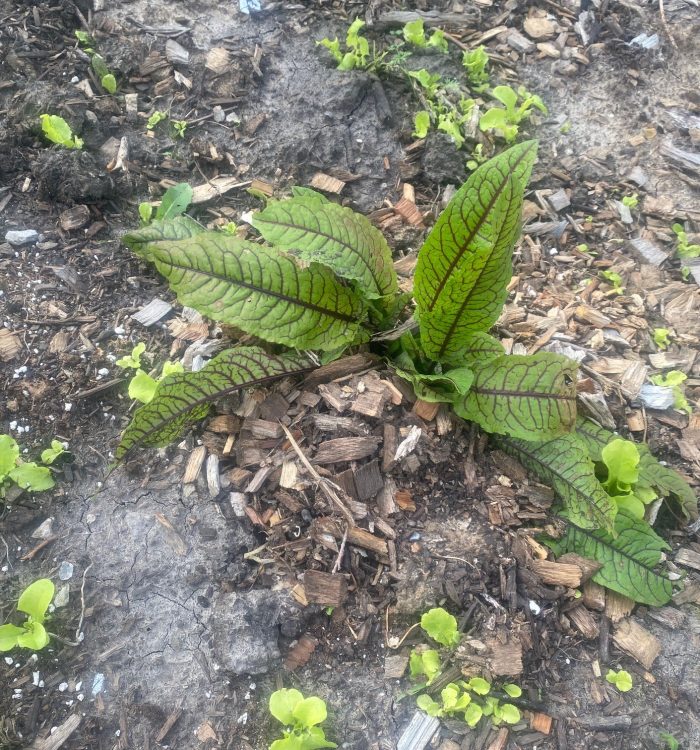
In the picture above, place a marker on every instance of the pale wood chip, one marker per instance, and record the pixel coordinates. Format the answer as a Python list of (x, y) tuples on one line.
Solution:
[(636, 641)]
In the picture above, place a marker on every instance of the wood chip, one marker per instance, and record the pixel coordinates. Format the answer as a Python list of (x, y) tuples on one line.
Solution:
[(395, 666), (408, 210), (372, 401), (326, 589), (10, 345), (60, 736), (342, 450), (368, 480), (617, 606), (215, 188), (688, 557), (584, 622), (541, 722), (194, 464), (262, 186), (639, 643), (556, 573), (300, 653), (501, 740), (172, 536), (588, 567), (339, 368), (594, 596), (426, 410), (326, 183), (355, 535), (151, 313), (539, 28), (74, 218), (505, 658), (224, 423), (218, 60)]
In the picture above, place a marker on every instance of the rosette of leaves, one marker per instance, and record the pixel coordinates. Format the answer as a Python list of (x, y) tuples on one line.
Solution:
[(34, 601), (300, 717)]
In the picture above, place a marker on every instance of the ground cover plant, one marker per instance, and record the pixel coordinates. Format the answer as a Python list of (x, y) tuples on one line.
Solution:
[(325, 282), (34, 601), (300, 717), (28, 475)]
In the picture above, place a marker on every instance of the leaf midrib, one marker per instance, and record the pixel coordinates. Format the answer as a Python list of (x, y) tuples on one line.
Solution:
[(473, 232), (521, 394), (269, 292)]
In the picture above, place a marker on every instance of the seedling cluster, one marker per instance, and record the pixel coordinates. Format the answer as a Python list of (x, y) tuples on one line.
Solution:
[(28, 475), (34, 601), (300, 717)]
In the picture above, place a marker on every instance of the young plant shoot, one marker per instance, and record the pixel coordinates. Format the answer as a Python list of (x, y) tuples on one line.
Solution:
[(34, 602)]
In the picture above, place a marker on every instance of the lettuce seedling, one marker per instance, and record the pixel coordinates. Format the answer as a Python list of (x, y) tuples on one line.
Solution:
[(684, 248), (615, 280), (155, 119), (142, 387), (49, 455), (356, 48), (675, 379), (26, 474), (506, 120), (421, 123), (301, 717), (621, 680), (441, 626), (57, 130), (670, 742), (631, 201), (414, 33), (34, 602), (476, 61), (661, 338), (621, 459), (424, 663)]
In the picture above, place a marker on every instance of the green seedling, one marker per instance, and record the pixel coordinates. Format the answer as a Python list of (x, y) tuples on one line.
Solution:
[(414, 33), (421, 123), (142, 387), (107, 79), (661, 338), (477, 157), (176, 200), (684, 249), (621, 459), (507, 119), (565, 128), (57, 130), (85, 41), (621, 680), (155, 119), (424, 664), (476, 61), (50, 455), (229, 228), (670, 742), (34, 601), (441, 626), (674, 379), (334, 272), (300, 717), (27, 475), (179, 127), (631, 201), (615, 280), (430, 82), (356, 53)]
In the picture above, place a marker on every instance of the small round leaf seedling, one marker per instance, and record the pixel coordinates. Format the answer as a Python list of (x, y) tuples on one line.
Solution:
[(621, 680), (441, 626)]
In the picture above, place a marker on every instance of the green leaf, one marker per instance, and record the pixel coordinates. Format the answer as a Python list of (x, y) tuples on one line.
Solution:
[(314, 738), (564, 465), (425, 663), (32, 477), (49, 455), (414, 33), (621, 458), (670, 741), (333, 46), (473, 714), (436, 388), (454, 698), (99, 66), (142, 387), (479, 685), (532, 397), (441, 626), (260, 290), (506, 96), (309, 712), (428, 705), (467, 227), (652, 473), (282, 704), (437, 39), (334, 235), (175, 201), (510, 713), (57, 130), (621, 680), (9, 453), (421, 124), (34, 636), (177, 228), (512, 690), (35, 599), (632, 504), (109, 83), (133, 360), (629, 559), (473, 295), (475, 349), (9, 635), (183, 399)]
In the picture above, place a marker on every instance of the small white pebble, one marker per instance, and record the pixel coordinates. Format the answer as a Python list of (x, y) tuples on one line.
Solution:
[(63, 687), (119, 330), (67, 406), (534, 607)]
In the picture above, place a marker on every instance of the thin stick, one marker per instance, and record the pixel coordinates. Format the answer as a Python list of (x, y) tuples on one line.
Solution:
[(329, 489), (664, 23), (78, 639)]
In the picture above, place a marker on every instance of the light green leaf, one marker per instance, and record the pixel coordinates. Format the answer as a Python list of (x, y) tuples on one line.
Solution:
[(9, 635), (109, 83), (421, 123), (564, 465), (282, 704), (438, 40), (175, 201), (35, 599), (436, 388), (621, 458), (142, 387), (32, 477), (506, 96), (479, 685), (510, 713), (467, 227), (260, 290), (183, 399), (493, 118), (428, 705), (532, 397), (629, 559), (473, 714), (9, 453), (133, 360), (333, 46), (334, 235), (454, 698), (473, 296), (34, 636), (57, 130), (512, 690), (425, 663), (621, 680), (652, 473), (309, 712), (177, 228), (632, 504), (414, 33), (49, 455), (314, 738), (441, 626)]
